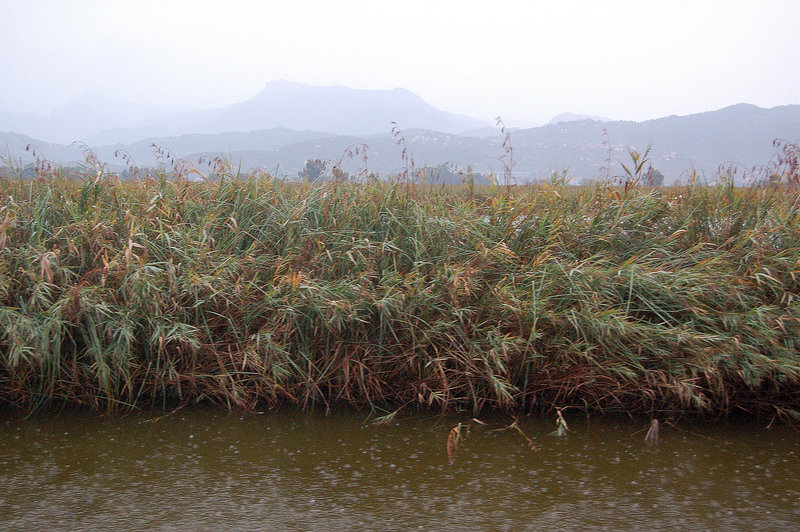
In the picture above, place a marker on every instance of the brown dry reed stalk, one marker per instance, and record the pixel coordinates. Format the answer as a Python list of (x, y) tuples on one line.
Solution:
[(652, 432), (507, 158), (456, 434)]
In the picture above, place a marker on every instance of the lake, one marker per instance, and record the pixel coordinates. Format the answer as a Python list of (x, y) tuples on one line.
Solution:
[(205, 469)]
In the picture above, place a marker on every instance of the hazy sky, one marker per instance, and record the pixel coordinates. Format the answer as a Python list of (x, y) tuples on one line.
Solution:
[(526, 60)]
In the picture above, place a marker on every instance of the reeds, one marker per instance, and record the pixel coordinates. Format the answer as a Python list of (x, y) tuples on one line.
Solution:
[(246, 292)]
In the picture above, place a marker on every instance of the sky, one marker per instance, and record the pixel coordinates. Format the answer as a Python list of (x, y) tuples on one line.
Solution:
[(526, 61)]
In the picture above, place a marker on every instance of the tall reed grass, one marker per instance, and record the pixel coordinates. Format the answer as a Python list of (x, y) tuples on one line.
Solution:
[(256, 292)]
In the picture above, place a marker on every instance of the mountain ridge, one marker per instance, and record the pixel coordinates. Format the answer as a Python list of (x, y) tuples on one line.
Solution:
[(740, 135), (96, 119), (573, 117)]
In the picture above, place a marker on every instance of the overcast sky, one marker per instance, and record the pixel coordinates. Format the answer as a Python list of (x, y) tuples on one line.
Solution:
[(526, 61)]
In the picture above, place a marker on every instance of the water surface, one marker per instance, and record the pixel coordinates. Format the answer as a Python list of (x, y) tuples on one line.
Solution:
[(209, 469)]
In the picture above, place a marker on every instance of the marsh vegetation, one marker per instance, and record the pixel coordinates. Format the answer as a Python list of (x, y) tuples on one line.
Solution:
[(395, 296)]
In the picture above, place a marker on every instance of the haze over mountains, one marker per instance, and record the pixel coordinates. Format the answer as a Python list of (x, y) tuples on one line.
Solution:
[(99, 120), (288, 123)]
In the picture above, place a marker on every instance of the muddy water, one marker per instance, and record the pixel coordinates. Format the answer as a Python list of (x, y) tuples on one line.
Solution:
[(209, 470)]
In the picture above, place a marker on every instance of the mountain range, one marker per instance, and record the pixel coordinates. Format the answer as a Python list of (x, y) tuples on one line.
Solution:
[(98, 120), (288, 123)]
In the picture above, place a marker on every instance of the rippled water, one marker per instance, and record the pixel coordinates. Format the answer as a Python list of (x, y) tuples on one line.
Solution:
[(206, 469)]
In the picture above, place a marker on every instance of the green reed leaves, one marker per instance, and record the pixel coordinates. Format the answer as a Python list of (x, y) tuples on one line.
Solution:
[(243, 292)]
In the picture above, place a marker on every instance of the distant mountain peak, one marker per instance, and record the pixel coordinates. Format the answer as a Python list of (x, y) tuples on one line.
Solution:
[(573, 117), (283, 85), (742, 105), (339, 109)]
